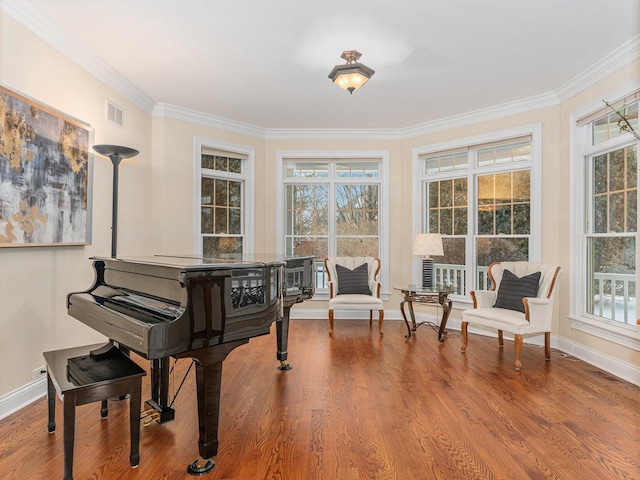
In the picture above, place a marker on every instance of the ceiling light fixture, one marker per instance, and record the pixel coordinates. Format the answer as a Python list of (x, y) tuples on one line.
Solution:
[(352, 75)]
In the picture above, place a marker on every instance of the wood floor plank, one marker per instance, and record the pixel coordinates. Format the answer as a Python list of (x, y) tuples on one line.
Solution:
[(360, 406)]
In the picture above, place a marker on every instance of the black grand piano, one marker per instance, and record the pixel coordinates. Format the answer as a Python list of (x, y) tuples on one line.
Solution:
[(189, 307)]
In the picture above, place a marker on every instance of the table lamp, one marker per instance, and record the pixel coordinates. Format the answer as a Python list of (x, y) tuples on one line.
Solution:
[(425, 245)]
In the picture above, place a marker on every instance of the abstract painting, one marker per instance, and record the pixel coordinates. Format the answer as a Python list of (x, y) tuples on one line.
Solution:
[(44, 175)]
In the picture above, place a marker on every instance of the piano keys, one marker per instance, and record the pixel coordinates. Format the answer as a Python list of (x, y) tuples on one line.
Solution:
[(201, 308)]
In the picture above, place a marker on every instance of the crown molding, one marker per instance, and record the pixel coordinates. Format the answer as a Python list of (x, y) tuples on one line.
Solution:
[(468, 118), (333, 134), (76, 52), (96, 66), (484, 114), (621, 56), (208, 120)]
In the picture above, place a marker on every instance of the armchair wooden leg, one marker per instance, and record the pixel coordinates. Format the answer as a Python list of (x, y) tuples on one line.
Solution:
[(464, 336), (330, 322), (518, 340), (500, 339), (370, 318), (380, 319), (547, 345)]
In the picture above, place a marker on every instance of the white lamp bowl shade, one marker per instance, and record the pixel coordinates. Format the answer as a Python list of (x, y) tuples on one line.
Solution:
[(428, 244)]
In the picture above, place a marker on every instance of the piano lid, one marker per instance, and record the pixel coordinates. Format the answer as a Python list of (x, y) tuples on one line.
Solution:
[(242, 258), (194, 263)]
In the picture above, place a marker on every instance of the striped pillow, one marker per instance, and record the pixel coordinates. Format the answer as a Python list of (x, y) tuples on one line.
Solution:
[(513, 289), (353, 281)]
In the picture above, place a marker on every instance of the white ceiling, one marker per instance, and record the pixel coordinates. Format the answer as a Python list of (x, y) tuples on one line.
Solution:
[(265, 63)]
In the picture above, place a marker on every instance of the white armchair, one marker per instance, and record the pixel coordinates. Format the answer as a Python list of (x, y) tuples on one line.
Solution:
[(519, 303), (354, 285)]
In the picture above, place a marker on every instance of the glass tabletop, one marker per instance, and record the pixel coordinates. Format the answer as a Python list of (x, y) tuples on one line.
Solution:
[(418, 289)]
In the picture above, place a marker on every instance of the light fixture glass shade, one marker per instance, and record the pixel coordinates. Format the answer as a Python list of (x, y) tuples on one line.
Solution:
[(427, 244), (350, 80), (352, 75)]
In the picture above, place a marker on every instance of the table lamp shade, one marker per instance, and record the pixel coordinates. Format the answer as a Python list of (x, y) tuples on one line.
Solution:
[(428, 244)]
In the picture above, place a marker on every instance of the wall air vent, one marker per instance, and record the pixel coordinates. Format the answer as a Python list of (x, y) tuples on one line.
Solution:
[(114, 113)]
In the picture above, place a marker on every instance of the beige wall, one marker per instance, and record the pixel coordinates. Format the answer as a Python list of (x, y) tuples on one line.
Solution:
[(34, 281), (157, 198)]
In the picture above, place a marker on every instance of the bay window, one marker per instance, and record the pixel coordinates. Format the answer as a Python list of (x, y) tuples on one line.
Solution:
[(222, 222), (480, 195), (332, 206), (605, 209)]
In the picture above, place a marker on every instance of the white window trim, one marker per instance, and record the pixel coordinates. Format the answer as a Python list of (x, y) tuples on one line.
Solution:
[(535, 130), (626, 335), (383, 199), (248, 177)]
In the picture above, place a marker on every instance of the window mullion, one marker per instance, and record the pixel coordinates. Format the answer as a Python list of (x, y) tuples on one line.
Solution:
[(472, 221), (332, 211)]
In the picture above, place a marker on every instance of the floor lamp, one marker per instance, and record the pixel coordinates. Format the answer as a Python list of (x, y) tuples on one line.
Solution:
[(116, 153), (425, 245)]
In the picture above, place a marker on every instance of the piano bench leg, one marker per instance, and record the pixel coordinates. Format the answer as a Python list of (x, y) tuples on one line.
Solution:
[(51, 404)]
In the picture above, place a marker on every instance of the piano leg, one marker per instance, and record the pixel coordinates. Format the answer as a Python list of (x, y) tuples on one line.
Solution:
[(282, 334), (208, 385)]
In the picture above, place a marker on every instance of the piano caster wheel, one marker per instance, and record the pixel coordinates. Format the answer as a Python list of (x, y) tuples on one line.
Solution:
[(201, 466), (284, 366)]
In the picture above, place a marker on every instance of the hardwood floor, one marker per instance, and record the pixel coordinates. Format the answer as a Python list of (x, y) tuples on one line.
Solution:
[(358, 406)]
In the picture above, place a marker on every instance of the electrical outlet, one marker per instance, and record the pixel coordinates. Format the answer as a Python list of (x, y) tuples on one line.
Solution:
[(39, 372)]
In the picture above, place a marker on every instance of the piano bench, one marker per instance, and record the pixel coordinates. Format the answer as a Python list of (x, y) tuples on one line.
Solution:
[(80, 378)]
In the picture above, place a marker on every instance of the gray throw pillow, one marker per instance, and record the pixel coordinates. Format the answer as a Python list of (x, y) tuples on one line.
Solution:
[(513, 289), (354, 281)]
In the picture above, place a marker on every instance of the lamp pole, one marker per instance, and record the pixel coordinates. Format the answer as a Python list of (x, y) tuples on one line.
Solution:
[(116, 154)]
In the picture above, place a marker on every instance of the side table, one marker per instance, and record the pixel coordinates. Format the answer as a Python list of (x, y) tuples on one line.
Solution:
[(428, 296)]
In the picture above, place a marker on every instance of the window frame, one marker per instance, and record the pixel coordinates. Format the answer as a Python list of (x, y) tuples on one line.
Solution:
[(282, 156), (472, 172), (581, 150), (247, 177)]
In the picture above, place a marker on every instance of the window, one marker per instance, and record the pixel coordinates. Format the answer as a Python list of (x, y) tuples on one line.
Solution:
[(222, 199), (605, 209), (332, 206), (479, 195)]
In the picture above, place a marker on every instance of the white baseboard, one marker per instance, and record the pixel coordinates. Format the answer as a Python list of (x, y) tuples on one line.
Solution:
[(20, 398), (23, 396), (620, 369)]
